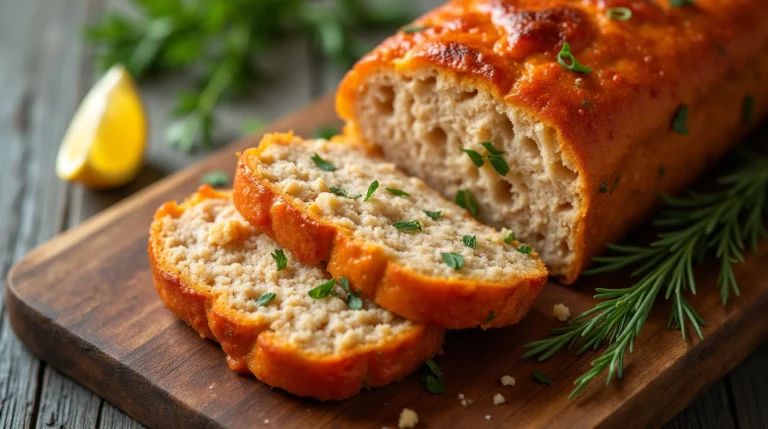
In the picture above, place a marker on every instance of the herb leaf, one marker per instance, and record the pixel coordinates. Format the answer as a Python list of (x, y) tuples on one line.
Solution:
[(215, 178), (371, 189), (280, 259), (476, 158), (541, 378), (565, 56), (491, 316), (322, 164), (681, 3), (413, 225), (453, 260), (353, 300), (510, 237), (435, 384), (465, 200), (679, 121), (433, 215), (469, 241), (524, 249), (398, 192), (433, 368), (586, 103), (323, 290), (492, 150), (265, 298), (325, 132), (499, 164), (343, 193), (414, 29), (619, 13)]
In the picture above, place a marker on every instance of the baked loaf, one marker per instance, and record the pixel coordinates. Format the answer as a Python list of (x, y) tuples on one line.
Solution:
[(670, 90), (211, 268), (440, 268)]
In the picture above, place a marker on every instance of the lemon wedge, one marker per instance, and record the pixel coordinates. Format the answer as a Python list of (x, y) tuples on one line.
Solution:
[(104, 144)]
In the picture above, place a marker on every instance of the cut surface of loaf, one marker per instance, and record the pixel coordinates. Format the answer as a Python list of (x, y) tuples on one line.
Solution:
[(311, 197), (588, 152), (212, 269)]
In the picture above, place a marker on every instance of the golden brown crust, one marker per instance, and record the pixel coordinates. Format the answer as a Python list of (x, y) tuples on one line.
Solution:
[(254, 348), (643, 70), (449, 303)]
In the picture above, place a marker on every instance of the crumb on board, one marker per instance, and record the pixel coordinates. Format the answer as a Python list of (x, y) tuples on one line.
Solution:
[(488, 417), (266, 421), (408, 419), (507, 380), (562, 313), (498, 399)]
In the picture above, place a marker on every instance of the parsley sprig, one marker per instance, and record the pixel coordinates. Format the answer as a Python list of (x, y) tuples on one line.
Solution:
[(219, 43), (697, 225)]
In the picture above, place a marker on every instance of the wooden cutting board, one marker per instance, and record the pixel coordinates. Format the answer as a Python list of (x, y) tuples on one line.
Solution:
[(84, 302)]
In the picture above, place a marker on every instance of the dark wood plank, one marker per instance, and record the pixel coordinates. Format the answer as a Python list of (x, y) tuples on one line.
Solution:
[(749, 388), (114, 336)]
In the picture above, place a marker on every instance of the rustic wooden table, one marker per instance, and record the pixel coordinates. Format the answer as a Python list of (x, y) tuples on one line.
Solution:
[(45, 69)]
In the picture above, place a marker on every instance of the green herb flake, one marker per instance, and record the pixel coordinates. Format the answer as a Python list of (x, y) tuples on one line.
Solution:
[(325, 132), (510, 237), (371, 189), (398, 192), (322, 164), (586, 103), (470, 241), (435, 384), (492, 150), (541, 378), (524, 249), (433, 215), (603, 187), (491, 316), (323, 290), (413, 225), (433, 368), (568, 61), (466, 200), (280, 259), (353, 300), (476, 158), (414, 29), (679, 120), (748, 109), (619, 13), (681, 3), (215, 178), (615, 184), (265, 298), (499, 164), (453, 260), (341, 192)]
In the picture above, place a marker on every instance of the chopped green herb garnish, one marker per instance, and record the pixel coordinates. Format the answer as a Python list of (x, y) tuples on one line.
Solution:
[(541, 378), (565, 56), (322, 164), (215, 178), (615, 184), (748, 109), (265, 298), (603, 187), (586, 103), (398, 192), (413, 225), (433, 368), (353, 301), (280, 259), (681, 3), (371, 189), (322, 291), (469, 241), (453, 260), (492, 150), (414, 29), (343, 193), (524, 249), (435, 384), (433, 215), (325, 132), (499, 164), (465, 200), (679, 121), (491, 316), (510, 237), (662, 171), (476, 158), (619, 13)]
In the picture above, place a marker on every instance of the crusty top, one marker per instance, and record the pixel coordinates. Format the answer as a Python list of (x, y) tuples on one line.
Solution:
[(660, 58)]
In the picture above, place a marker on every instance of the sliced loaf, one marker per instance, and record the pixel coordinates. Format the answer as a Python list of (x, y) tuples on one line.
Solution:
[(394, 247), (217, 273)]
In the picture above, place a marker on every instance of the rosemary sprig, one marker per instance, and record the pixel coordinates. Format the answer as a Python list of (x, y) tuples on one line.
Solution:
[(219, 42), (696, 226)]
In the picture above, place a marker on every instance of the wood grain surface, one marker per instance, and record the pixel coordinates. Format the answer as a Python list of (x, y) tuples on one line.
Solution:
[(45, 69), (84, 302)]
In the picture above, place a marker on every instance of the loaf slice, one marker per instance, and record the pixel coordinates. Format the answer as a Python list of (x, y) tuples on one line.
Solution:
[(310, 196), (211, 268)]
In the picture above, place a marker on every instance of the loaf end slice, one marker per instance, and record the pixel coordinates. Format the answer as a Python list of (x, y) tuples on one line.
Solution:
[(405, 247), (211, 268)]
